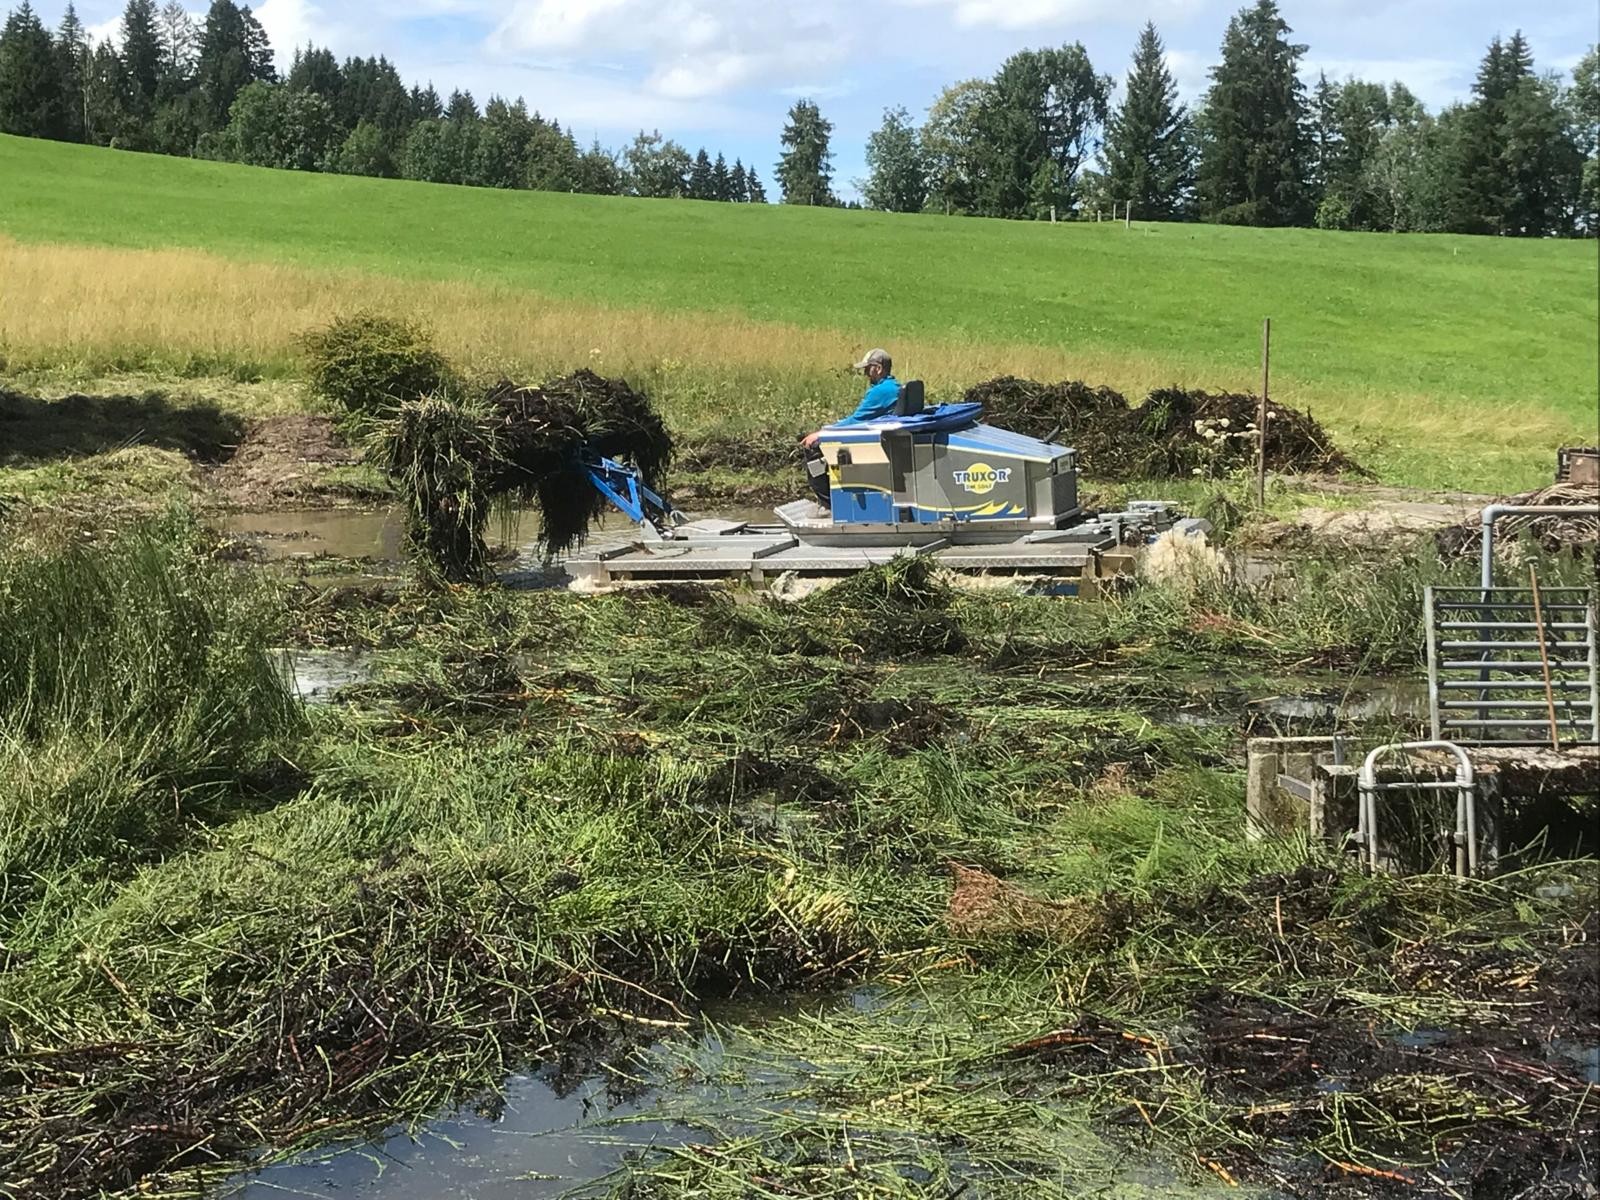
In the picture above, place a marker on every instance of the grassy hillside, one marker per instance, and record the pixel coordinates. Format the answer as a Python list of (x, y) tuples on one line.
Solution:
[(1402, 343)]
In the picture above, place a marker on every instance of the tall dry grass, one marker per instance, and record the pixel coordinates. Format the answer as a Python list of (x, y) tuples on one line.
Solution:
[(94, 311)]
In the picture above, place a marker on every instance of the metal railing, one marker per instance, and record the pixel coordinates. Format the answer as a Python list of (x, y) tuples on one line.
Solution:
[(1513, 665), (1464, 839), (1494, 512)]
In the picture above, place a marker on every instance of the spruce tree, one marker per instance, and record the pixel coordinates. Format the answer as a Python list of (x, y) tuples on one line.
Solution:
[(753, 189), (598, 174), (105, 98), (1149, 150), (1324, 135), (72, 58), (30, 81), (180, 44), (316, 70), (232, 54), (738, 184), (462, 109), (1255, 153), (805, 170), (1542, 161), (141, 54), (1517, 164), (721, 181), (425, 104), (701, 186), (1475, 180), (257, 48)]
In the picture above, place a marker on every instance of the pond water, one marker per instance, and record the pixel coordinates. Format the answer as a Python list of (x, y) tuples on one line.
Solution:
[(578, 1136), (315, 675), (375, 534), (549, 1134), (546, 1140), (1325, 702)]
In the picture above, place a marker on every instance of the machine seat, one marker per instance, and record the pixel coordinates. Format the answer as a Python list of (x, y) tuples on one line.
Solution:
[(911, 399)]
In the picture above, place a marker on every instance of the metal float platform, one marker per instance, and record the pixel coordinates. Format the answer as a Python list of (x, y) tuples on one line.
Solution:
[(1082, 551)]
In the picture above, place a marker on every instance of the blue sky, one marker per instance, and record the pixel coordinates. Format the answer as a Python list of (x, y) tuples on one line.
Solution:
[(721, 73)]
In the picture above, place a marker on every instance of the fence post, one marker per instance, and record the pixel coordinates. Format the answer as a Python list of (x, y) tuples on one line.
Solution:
[(1261, 416)]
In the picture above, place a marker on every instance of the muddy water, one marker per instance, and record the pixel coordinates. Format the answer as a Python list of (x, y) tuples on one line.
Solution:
[(1372, 700), (375, 534), (345, 533)]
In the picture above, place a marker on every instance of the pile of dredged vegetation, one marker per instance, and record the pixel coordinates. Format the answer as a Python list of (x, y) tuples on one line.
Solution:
[(1174, 432)]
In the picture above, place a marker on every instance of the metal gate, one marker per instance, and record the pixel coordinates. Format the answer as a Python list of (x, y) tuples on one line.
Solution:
[(1513, 665)]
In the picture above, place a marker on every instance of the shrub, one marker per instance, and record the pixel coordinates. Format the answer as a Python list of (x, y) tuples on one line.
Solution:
[(367, 363)]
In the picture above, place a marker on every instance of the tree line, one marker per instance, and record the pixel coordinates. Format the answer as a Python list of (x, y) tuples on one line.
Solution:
[(1040, 139), (212, 90)]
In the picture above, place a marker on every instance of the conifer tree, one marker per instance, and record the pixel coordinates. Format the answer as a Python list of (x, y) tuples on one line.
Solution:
[(72, 58), (30, 79), (805, 170), (721, 181), (755, 193), (1149, 150), (701, 186), (1255, 153), (141, 55), (738, 184)]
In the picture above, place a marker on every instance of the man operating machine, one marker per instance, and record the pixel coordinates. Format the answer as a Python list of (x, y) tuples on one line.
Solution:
[(883, 393)]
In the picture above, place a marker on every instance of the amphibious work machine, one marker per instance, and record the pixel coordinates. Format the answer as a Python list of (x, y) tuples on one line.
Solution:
[(933, 481)]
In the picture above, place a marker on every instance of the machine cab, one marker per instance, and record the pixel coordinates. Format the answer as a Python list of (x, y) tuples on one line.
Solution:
[(928, 466)]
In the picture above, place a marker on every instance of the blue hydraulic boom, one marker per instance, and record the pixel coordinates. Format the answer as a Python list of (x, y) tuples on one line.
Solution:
[(622, 485)]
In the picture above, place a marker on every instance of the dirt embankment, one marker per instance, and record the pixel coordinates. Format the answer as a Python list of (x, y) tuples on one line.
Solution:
[(291, 461)]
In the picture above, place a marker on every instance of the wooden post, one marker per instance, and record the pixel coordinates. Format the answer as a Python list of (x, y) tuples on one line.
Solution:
[(1052, 214), (1127, 213), (1261, 416)]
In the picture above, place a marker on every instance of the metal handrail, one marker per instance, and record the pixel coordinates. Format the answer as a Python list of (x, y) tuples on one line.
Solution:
[(1465, 838), (1494, 512)]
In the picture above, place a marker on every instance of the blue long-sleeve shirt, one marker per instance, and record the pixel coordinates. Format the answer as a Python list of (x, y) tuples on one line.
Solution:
[(878, 403)]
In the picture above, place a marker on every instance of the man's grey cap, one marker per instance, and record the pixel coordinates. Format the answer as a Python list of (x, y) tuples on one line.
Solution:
[(875, 356)]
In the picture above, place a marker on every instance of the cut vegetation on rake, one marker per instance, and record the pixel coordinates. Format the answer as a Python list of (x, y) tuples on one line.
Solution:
[(456, 459)]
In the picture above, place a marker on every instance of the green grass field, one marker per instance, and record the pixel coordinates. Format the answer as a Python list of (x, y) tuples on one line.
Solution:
[(1450, 337)]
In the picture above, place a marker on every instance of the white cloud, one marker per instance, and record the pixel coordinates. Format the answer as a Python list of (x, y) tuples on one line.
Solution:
[(290, 24), (688, 48), (109, 30), (1036, 14), (1019, 14), (820, 91), (612, 105)]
